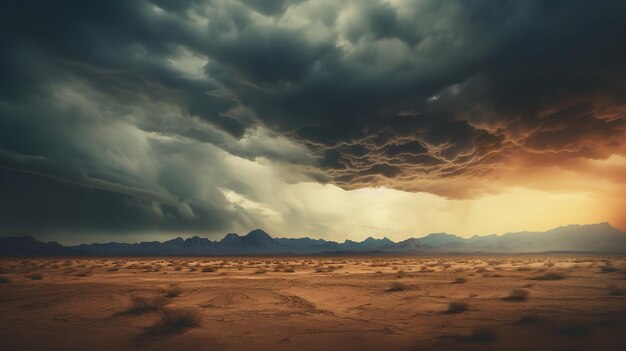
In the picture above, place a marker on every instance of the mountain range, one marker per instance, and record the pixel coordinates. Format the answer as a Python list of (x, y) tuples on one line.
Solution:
[(592, 238)]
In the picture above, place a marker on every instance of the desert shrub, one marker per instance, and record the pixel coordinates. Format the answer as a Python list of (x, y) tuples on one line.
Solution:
[(457, 307), (5, 280), (608, 269), (174, 321), (113, 269), (518, 295), (397, 286), (34, 276), (260, 271), (529, 319), (83, 274), (550, 276), (208, 269), (481, 335), (173, 290), (289, 270), (142, 304), (459, 280)]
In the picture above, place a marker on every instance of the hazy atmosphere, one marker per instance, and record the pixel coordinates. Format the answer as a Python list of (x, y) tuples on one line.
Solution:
[(144, 120)]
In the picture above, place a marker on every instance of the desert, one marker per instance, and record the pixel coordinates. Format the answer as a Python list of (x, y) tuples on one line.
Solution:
[(452, 302)]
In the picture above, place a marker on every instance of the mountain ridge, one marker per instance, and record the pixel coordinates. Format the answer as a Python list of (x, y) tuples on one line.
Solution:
[(596, 238)]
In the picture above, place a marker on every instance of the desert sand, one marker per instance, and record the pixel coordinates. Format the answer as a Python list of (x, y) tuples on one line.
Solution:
[(314, 303)]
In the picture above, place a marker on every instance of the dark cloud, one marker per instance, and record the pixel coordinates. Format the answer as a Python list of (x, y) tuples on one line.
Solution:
[(129, 97)]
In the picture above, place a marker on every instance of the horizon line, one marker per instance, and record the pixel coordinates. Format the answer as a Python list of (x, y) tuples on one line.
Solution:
[(314, 238)]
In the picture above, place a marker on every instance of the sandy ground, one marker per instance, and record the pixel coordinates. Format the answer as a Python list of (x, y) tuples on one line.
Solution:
[(305, 303)]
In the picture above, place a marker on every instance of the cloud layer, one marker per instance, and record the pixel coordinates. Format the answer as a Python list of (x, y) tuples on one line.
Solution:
[(205, 116)]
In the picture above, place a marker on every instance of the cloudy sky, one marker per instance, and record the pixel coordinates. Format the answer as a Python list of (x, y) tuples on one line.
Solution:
[(138, 120)]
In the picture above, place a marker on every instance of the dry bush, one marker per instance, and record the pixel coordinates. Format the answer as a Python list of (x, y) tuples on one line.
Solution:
[(289, 270), (142, 304), (550, 276), (113, 269), (5, 280), (457, 307), (487, 275), (529, 319), (209, 269), (459, 280), (397, 286), (174, 321), (83, 274), (173, 290), (518, 295), (260, 271), (608, 269), (480, 335), (34, 276)]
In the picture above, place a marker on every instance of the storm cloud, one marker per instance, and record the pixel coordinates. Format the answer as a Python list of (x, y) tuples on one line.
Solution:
[(183, 115)]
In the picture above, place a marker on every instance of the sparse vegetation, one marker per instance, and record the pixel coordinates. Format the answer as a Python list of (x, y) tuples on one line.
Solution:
[(34, 276), (173, 290), (529, 319), (608, 269), (457, 307), (518, 295), (174, 321), (459, 280), (397, 286), (550, 276), (143, 304)]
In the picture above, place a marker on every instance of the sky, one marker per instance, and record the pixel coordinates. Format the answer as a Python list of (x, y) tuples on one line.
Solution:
[(134, 120)]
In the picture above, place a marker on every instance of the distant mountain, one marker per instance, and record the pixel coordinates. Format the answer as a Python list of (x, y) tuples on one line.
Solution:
[(29, 246), (256, 240), (593, 238)]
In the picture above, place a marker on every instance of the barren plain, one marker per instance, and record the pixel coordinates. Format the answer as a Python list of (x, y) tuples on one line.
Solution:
[(516, 302)]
